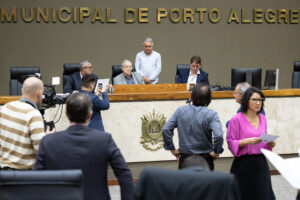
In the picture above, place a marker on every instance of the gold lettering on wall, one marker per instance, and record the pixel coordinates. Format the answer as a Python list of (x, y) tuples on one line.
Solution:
[(201, 12), (161, 13), (294, 16), (214, 12), (60, 16), (175, 15), (244, 20), (143, 14), (257, 16), (270, 16), (233, 16), (45, 15), (97, 16), (108, 17), (130, 15), (282, 14), (8, 17), (188, 13), (24, 16), (53, 14), (84, 12)]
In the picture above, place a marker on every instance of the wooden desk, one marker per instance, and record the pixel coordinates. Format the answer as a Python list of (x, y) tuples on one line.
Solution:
[(129, 104)]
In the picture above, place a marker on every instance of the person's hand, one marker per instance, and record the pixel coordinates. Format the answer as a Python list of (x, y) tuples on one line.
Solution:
[(175, 152), (48, 130), (252, 140), (214, 155), (271, 144), (147, 80)]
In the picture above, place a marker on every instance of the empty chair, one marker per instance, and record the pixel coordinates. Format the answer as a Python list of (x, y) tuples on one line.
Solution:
[(41, 185), (180, 67), (17, 77), (296, 75), (192, 183), (69, 69), (116, 70)]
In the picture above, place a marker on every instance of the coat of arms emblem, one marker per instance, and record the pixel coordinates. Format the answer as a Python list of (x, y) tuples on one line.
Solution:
[(152, 124)]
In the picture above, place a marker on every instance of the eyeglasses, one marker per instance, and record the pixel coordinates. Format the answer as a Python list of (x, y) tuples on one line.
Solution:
[(260, 100), (89, 67)]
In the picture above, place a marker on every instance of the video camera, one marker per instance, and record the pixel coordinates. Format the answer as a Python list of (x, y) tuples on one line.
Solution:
[(50, 99)]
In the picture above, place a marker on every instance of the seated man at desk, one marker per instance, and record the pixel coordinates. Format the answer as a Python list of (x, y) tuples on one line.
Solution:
[(128, 77), (74, 81), (195, 74)]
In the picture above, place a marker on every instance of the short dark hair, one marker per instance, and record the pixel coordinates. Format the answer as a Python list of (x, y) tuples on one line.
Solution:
[(79, 106), (88, 79), (247, 95), (195, 161), (196, 59), (201, 95)]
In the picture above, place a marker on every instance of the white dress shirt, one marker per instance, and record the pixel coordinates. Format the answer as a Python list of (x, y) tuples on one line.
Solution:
[(149, 66)]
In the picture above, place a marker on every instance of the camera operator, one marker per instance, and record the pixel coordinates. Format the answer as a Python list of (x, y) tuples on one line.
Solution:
[(22, 127), (99, 100)]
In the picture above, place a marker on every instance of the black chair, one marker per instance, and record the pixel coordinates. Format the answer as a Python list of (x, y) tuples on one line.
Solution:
[(180, 67), (41, 185), (17, 77), (296, 75), (69, 69), (116, 70)]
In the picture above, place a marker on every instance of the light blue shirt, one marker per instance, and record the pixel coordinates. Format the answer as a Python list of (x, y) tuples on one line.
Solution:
[(199, 130), (149, 66)]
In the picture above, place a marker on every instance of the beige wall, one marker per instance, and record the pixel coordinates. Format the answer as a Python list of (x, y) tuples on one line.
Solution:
[(220, 45)]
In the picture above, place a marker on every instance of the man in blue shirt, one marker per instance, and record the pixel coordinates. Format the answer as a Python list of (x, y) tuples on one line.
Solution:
[(88, 85), (199, 128)]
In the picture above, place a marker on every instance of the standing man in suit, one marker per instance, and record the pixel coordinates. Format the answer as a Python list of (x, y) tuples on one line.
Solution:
[(90, 150), (73, 83), (148, 63), (128, 77), (99, 100), (194, 75)]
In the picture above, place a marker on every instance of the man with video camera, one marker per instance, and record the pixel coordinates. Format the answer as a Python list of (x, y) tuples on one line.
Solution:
[(22, 127)]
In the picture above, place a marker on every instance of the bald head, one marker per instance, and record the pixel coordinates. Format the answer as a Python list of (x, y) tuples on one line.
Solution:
[(32, 89)]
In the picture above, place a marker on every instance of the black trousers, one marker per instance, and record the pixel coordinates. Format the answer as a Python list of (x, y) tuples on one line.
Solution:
[(206, 156)]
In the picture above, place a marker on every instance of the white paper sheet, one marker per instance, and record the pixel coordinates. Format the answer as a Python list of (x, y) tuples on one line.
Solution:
[(288, 168), (104, 83), (268, 138)]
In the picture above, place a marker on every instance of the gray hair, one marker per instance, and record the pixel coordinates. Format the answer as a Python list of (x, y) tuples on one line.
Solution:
[(148, 39), (125, 61), (84, 63), (243, 87)]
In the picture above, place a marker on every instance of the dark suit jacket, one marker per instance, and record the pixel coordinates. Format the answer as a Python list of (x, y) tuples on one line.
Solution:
[(98, 105), (191, 183), (73, 83), (90, 150), (183, 76)]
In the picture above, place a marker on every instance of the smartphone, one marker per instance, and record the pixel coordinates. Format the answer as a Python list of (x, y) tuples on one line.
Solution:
[(99, 86)]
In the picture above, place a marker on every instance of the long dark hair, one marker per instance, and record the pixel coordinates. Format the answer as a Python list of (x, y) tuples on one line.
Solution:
[(247, 95)]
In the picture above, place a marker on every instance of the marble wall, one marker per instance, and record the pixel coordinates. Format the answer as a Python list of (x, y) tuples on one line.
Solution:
[(123, 121)]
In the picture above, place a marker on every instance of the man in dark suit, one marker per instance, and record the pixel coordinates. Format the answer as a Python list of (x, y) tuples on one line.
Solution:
[(73, 83), (193, 182), (195, 74), (90, 150)]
